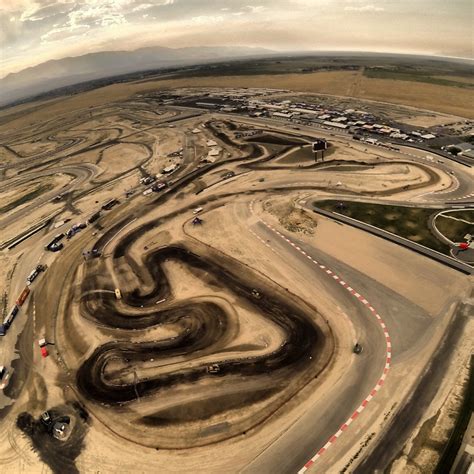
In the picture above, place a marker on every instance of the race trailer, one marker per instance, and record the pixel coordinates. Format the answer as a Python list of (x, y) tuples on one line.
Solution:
[(7, 322), (32, 276), (44, 351), (54, 245)]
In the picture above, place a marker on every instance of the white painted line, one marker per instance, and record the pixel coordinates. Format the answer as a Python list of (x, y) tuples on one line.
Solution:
[(380, 382)]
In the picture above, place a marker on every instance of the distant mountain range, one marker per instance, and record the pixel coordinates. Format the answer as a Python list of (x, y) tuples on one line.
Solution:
[(68, 71)]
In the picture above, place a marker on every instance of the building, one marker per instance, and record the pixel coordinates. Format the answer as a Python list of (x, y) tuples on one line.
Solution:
[(319, 145), (214, 152), (305, 111), (284, 115), (169, 169), (341, 126), (207, 105)]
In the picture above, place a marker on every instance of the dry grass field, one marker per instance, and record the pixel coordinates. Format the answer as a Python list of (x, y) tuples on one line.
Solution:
[(451, 100)]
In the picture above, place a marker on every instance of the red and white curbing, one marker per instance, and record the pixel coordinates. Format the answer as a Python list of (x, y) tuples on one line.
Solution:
[(388, 353)]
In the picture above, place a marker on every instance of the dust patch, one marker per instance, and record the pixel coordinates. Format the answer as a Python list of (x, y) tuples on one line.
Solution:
[(59, 455), (292, 218)]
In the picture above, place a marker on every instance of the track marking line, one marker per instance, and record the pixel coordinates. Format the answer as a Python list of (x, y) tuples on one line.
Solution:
[(383, 327)]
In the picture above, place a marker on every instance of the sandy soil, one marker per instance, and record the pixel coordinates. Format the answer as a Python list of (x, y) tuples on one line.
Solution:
[(234, 293), (37, 186), (120, 158)]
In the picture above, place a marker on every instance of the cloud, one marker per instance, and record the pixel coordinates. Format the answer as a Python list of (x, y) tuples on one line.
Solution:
[(13, 6), (61, 33), (33, 30), (40, 12), (101, 13), (157, 3), (256, 9), (364, 8), (142, 6), (207, 19)]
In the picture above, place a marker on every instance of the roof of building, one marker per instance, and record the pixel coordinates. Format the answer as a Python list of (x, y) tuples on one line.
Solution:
[(214, 152), (282, 114), (335, 124)]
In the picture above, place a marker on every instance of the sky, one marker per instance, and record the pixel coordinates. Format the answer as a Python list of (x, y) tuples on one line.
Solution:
[(34, 31)]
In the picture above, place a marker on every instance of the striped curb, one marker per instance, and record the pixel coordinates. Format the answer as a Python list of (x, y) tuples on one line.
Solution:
[(467, 196), (365, 302)]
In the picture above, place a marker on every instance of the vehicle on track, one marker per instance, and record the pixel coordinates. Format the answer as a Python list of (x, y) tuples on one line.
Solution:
[(256, 294), (213, 369), (197, 210), (228, 175), (357, 348)]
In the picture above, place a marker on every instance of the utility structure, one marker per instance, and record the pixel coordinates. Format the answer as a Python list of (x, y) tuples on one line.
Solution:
[(319, 146)]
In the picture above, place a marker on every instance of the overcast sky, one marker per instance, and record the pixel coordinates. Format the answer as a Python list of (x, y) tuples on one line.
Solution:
[(33, 31)]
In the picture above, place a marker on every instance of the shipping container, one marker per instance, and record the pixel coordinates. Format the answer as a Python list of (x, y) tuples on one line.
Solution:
[(110, 204), (21, 299), (44, 352), (9, 319), (94, 217)]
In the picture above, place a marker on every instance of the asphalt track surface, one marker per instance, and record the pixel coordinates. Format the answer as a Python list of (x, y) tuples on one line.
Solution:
[(399, 429), (303, 440)]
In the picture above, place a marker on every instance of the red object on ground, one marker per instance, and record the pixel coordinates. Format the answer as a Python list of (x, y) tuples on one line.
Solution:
[(44, 352), (21, 299), (463, 246)]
